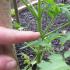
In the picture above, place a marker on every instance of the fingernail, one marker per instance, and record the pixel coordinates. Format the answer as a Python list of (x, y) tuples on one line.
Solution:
[(37, 33), (11, 65)]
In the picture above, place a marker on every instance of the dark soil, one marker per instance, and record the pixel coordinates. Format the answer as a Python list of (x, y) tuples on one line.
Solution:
[(28, 21), (68, 60)]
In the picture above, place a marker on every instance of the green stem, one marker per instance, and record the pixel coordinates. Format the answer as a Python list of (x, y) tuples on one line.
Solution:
[(39, 26), (56, 29), (39, 19), (39, 54)]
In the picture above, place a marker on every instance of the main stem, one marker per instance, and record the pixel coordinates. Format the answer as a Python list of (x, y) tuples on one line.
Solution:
[(39, 54), (39, 25), (39, 19)]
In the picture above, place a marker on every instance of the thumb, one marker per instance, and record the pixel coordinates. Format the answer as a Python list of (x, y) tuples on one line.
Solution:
[(7, 63)]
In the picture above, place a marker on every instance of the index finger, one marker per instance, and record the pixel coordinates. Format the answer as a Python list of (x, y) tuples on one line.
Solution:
[(10, 36)]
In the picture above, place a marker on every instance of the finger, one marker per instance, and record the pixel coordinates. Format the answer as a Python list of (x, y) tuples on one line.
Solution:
[(10, 36), (7, 63)]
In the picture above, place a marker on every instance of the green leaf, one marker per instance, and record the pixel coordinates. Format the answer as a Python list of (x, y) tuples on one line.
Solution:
[(34, 43), (16, 25), (52, 8), (64, 38), (67, 54), (50, 1), (66, 10), (52, 36), (43, 44), (56, 63)]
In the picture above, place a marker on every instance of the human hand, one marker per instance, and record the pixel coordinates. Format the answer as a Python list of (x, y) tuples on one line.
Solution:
[(9, 37)]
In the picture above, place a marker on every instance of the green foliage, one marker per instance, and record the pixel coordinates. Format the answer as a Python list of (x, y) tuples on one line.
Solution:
[(26, 58), (64, 38), (12, 12), (67, 54), (16, 25), (53, 36), (40, 46), (35, 13), (56, 63), (52, 8), (66, 10)]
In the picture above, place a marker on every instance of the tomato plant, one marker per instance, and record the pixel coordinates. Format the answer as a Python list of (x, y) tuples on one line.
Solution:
[(56, 59)]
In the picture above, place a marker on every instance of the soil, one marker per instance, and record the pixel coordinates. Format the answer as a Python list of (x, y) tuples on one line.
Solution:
[(28, 21)]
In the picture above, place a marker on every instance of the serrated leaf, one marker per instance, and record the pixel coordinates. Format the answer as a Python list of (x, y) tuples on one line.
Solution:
[(52, 9), (56, 63)]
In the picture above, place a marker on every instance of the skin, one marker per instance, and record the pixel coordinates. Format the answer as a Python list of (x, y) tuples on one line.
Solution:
[(9, 37)]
